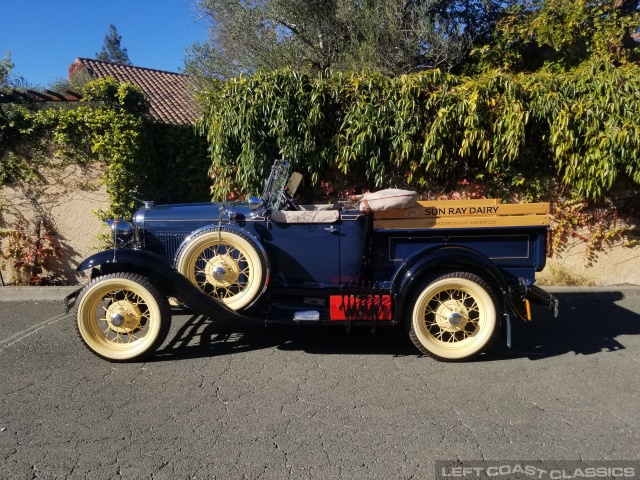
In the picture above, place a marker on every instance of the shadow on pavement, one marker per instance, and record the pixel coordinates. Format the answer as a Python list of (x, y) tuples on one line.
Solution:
[(203, 337), (587, 324)]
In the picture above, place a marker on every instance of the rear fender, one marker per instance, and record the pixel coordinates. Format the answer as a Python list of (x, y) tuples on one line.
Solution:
[(445, 257), (159, 271)]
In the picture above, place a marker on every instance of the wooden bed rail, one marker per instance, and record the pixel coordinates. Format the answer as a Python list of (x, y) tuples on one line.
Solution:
[(463, 214)]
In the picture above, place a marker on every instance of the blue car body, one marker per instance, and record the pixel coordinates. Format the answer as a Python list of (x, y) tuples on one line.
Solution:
[(314, 268)]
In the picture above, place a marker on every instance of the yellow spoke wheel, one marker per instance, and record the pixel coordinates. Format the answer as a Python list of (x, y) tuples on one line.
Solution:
[(122, 316), (452, 317), (225, 265)]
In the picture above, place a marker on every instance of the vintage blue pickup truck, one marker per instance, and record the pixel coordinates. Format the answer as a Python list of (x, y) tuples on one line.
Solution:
[(453, 273)]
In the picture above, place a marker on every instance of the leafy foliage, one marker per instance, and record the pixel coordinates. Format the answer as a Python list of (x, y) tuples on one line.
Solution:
[(30, 248), (595, 226), (15, 168), (121, 97), (549, 101), (507, 129), (561, 34), (11, 123), (111, 126)]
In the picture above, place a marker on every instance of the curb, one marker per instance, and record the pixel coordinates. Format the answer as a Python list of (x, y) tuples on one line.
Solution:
[(25, 294), (627, 291)]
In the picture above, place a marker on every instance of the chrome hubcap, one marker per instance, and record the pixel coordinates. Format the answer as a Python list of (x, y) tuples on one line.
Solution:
[(218, 273), (455, 319), (117, 320)]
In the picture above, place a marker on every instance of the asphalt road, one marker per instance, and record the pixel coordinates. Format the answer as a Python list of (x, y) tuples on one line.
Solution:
[(228, 402)]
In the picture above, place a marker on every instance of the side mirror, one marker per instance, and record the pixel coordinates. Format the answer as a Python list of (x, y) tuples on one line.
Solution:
[(255, 203)]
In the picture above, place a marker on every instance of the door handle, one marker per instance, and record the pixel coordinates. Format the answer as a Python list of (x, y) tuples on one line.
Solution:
[(331, 229)]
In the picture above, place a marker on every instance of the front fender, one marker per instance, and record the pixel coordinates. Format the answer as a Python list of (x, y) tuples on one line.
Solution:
[(126, 257), (160, 272), (449, 257)]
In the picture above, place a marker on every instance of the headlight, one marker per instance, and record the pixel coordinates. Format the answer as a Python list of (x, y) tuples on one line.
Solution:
[(121, 231)]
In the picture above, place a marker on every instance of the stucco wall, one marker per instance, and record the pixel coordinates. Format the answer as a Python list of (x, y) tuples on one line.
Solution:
[(616, 265), (67, 197)]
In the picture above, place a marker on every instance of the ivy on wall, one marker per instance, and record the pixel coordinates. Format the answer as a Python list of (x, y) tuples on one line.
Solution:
[(164, 163)]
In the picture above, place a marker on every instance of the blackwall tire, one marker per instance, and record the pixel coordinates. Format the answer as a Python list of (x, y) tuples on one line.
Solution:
[(122, 317), (452, 317), (225, 265)]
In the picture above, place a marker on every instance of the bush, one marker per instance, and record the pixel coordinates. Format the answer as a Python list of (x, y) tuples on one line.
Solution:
[(579, 130)]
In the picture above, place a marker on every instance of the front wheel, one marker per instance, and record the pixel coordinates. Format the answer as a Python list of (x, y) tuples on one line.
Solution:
[(453, 317), (122, 317)]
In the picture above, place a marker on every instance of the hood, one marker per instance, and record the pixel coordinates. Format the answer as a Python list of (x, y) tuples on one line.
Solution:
[(207, 212)]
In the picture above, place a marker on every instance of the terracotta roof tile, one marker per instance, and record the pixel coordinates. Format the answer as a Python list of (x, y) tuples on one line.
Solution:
[(170, 97)]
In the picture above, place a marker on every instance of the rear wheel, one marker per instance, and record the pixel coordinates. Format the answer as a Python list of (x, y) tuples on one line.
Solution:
[(122, 316), (453, 317), (225, 265)]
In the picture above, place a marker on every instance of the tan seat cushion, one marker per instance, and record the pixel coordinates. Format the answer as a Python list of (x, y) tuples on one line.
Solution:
[(305, 216), (387, 199)]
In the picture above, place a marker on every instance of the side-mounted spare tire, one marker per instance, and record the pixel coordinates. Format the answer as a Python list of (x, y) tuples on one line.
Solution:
[(452, 317), (122, 317), (226, 264)]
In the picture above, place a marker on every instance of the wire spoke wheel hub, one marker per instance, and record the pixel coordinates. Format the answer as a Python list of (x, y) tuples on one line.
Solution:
[(225, 271), (125, 316), (454, 312)]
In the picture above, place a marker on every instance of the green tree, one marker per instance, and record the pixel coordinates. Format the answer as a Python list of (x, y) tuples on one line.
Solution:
[(5, 83), (6, 65), (390, 36), (8, 80), (112, 50), (561, 34)]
